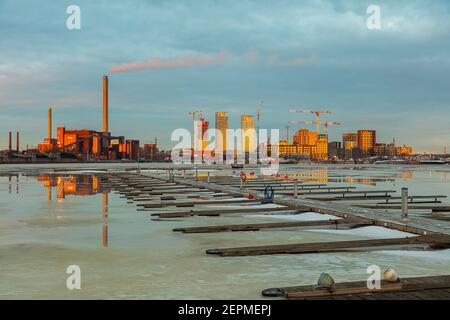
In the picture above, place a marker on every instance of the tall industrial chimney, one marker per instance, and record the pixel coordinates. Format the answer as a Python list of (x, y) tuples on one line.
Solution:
[(17, 142), (49, 123), (10, 141), (105, 104)]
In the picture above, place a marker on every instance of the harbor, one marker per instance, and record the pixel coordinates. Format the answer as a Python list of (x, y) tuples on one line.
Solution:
[(166, 232)]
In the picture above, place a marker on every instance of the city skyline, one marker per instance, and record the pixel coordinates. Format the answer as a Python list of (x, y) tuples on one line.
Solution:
[(292, 55)]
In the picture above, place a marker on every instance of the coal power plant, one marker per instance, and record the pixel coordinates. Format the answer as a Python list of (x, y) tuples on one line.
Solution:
[(80, 144)]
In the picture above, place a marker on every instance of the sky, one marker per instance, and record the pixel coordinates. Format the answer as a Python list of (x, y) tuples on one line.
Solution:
[(167, 58)]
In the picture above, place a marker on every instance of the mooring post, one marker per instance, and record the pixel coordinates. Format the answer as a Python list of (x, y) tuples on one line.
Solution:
[(295, 188), (242, 182), (405, 202), (184, 174), (208, 177), (196, 174)]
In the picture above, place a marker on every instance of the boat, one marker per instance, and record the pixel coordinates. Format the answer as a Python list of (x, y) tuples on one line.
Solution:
[(383, 162), (432, 161)]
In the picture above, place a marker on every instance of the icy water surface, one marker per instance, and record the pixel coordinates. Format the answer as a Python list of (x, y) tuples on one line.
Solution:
[(49, 222)]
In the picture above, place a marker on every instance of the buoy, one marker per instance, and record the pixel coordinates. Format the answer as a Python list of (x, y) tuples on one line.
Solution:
[(390, 275), (326, 281)]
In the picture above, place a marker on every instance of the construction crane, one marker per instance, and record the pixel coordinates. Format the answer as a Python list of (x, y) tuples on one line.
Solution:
[(326, 124), (194, 115), (317, 113), (258, 116), (197, 114)]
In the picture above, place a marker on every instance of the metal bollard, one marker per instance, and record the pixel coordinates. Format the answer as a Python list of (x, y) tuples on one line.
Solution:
[(295, 189), (405, 202)]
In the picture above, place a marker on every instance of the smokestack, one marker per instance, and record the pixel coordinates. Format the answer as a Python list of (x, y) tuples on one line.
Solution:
[(10, 141), (105, 104), (17, 141), (49, 123)]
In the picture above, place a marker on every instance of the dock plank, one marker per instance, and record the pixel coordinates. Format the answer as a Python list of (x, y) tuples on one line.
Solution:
[(180, 214), (416, 288), (259, 226), (302, 248)]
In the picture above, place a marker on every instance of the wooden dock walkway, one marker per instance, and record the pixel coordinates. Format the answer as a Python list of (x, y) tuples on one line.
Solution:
[(274, 225), (417, 288), (437, 241), (221, 212), (414, 224)]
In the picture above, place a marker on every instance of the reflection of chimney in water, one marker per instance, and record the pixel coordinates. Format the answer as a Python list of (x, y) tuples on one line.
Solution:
[(49, 194), (105, 216), (17, 184), (105, 235), (9, 184), (105, 204)]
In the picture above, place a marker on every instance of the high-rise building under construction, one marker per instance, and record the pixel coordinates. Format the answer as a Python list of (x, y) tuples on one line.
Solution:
[(248, 133), (221, 127), (367, 140)]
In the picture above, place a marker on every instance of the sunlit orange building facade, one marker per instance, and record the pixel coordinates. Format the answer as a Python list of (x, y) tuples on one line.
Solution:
[(248, 133), (222, 126), (306, 144), (367, 140)]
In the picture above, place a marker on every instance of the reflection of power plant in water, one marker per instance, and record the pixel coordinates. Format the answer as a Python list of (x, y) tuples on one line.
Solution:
[(10, 183), (80, 185)]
